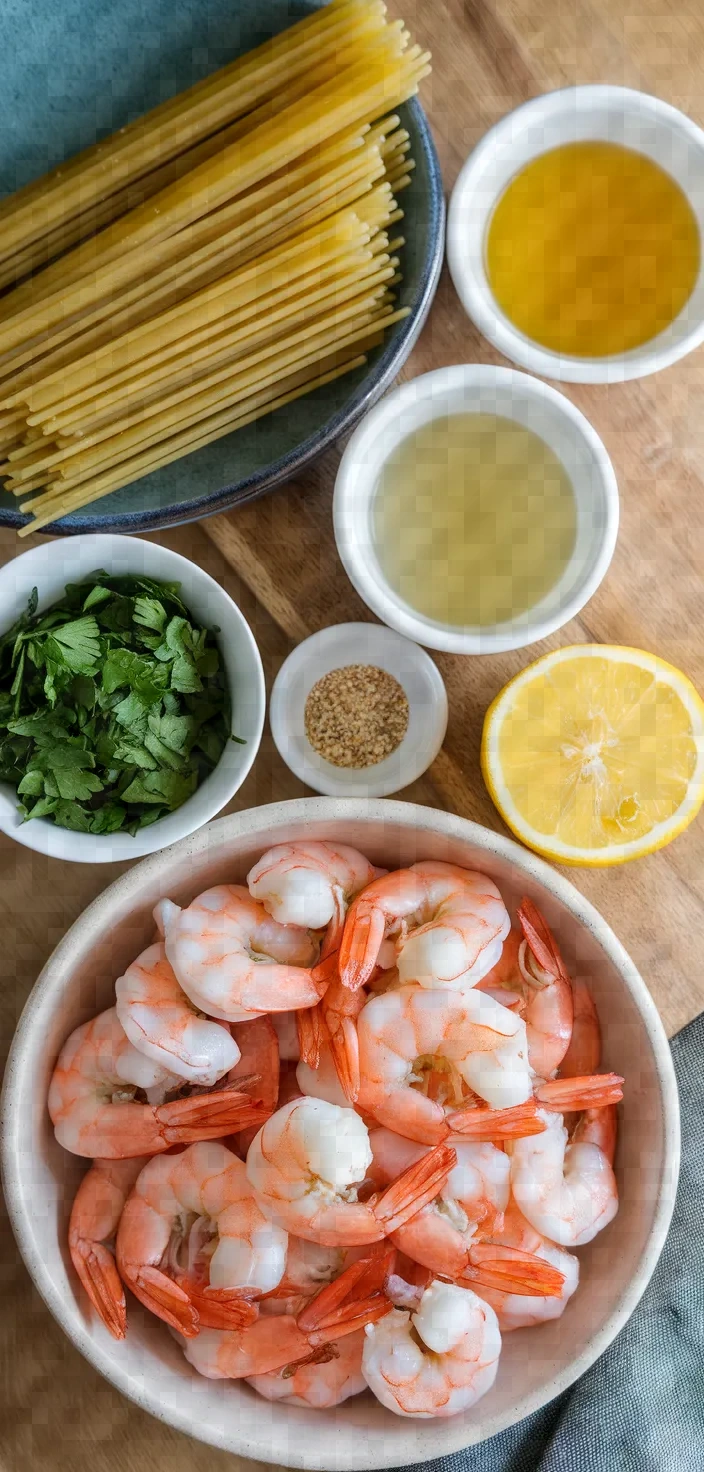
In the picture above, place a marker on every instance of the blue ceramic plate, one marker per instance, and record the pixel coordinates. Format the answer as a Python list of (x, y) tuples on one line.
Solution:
[(74, 71)]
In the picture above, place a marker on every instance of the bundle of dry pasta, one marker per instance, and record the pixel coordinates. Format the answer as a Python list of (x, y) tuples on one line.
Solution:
[(260, 266)]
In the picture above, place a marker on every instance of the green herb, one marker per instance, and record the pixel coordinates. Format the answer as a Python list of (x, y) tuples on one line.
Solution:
[(113, 705)]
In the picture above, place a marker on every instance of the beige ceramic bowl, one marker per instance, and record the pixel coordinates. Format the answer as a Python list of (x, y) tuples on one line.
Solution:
[(536, 1363)]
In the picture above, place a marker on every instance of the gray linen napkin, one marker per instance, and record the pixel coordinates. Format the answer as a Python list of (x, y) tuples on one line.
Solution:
[(641, 1406)]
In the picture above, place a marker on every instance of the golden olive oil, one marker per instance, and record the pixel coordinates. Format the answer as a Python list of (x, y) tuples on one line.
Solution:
[(474, 519), (592, 249)]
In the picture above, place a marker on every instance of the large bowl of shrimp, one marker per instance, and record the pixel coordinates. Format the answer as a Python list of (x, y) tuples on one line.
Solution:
[(341, 1134)]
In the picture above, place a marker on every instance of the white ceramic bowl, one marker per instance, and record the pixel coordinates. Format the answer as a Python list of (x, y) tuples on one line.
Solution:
[(573, 115), (478, 388), (148, 1366), (344, 644), (49, 568)]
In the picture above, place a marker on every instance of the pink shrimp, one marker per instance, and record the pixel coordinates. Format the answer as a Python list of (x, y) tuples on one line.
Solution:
[(309, 1267), (437, 1360), (311, 885), (426, 1055), (517, 1311), (308, 1160), (258, 1047), (322, 1082), (449, 925), (318, 1385), (532, 970), (584, 1052), (234, 961), (95, 1216), (332, 1024), (180, 1267), (162, 1022), (566, 1187), (448, 1235), (408, 1036), (272, 1343), (94, 1107)]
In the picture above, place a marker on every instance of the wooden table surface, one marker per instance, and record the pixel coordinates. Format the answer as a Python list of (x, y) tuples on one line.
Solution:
[(277, 558)]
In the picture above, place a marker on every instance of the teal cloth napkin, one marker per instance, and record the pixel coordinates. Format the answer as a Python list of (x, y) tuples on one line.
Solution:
[(641, 1406)]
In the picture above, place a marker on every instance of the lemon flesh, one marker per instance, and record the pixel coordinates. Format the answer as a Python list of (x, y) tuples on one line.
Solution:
[(595, 754)]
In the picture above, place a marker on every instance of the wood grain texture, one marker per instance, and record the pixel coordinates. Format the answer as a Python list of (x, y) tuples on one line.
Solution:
[(277, 558)]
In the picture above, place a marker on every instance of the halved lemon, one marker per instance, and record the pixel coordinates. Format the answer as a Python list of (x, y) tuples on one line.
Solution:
[(594, 754)]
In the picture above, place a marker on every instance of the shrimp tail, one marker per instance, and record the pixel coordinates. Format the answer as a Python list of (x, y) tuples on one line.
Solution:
[(598, 1127), (163, 1297), (497, 1124), (210, 1116), (219, 1308), (356, 1285), (541, 940), (344, 1046), (340, 1308), (380, 1262), (320, 1356), (287, 1288), (326, 969), (96, 1269), (332, 939), (415, 1188), (361, 942), (591, 1091), (311, 1030), (510, 1270)]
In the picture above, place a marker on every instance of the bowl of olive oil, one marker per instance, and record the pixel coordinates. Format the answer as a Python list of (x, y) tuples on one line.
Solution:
[(575, 235), (475, 509)]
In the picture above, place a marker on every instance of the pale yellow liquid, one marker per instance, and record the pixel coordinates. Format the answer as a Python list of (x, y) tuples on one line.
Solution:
[(474, 519)]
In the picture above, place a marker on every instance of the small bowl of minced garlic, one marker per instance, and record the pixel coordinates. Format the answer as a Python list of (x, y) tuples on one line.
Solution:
[(358, 711)]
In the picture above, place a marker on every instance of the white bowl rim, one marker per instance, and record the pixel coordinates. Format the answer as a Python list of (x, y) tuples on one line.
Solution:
[(282, 815), (472, 291), (63, 843), (353, 483)]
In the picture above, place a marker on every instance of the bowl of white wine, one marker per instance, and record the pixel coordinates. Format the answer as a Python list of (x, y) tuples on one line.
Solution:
[(476, 509)]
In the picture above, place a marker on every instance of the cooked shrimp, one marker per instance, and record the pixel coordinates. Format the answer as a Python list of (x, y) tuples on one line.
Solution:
[(234, 961), (95, 1112), (532, 969), (272, 1343), (195, 1214), (408, 1034), (284, 1024), (309, 1266), (476, 1191), (307, 1163), (592, 1091), (517, 1311), (447, 1236), (436, 1361), (258, 1048), (567, 1189), (319, 1386), (311, 885), (95, 1215), (162, 1022), (322, 1082), (584, 1052), (330, 1028), (449, 925)]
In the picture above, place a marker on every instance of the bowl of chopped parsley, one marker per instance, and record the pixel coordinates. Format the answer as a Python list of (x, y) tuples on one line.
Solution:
[(131, 698)]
